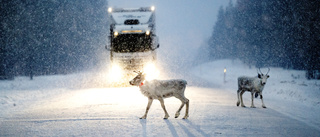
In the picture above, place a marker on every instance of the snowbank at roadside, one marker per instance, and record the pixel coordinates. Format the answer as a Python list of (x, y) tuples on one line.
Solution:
[(287, 91), (282, 84)]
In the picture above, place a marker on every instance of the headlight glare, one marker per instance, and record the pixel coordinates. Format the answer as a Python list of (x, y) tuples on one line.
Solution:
[(151, 71)]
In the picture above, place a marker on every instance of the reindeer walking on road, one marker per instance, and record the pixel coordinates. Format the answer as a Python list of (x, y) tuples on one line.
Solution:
[(160, 89), (254, 85)]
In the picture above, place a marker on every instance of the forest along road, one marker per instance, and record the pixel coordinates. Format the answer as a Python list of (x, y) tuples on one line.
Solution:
[(116, 112)]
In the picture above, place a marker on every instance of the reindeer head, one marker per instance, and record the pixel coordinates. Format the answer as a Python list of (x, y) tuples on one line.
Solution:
[(263, 77), (138, 80)]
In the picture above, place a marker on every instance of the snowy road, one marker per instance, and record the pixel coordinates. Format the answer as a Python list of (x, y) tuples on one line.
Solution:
[(116, 112)]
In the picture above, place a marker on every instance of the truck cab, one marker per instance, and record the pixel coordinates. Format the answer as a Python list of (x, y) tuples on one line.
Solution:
[(132, 41)]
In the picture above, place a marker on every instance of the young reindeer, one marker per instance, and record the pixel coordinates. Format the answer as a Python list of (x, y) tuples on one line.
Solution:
[(254, 85), (160, 89)]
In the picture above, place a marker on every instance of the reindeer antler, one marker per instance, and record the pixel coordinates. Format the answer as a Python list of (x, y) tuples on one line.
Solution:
[(138, 72), (260, 71), (268, 71)]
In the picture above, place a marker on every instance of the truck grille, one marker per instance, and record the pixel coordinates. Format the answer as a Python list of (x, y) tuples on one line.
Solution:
[(132, 64)]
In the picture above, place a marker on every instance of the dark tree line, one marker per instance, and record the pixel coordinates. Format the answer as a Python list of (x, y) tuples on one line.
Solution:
[(50, 37), (279, 33)]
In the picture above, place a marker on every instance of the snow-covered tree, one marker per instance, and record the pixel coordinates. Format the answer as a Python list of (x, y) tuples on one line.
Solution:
[(281, 33), (51, 37)]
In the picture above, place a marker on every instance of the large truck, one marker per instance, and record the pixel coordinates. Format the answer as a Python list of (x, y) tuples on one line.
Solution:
[(132, 42)]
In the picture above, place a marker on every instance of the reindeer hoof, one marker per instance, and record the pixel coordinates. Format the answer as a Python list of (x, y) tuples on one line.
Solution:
[(185, 117), (264, 107), (238, 103), (166, 117), (143, 117), (177, 115), (243, 106), (253, 107)]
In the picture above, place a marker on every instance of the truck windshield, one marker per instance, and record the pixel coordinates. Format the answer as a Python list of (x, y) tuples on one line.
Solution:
[(131, 43)]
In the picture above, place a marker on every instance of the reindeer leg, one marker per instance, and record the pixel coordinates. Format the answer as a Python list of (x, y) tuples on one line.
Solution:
[(164, 108), (238, 102), (264, 106), (178, 111), (147, 109), (252, 105), (187, 109), (183, 101), (241, 99)]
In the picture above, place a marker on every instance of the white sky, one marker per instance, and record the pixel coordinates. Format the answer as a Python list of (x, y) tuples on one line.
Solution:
[(182, 25)]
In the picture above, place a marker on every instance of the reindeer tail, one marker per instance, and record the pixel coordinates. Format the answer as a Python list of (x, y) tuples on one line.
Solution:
[(183, 82)]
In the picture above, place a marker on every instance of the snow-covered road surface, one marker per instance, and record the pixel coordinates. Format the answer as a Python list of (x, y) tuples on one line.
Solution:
[(116, 112)]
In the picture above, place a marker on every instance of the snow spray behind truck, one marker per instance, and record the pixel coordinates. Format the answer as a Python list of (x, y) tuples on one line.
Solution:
[(132, 42)]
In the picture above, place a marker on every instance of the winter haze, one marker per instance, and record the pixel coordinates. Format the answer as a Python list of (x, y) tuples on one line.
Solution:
[(54, 69)]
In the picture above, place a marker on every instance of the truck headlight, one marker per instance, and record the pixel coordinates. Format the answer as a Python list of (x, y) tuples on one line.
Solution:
[(147, 32), (116, 33)]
